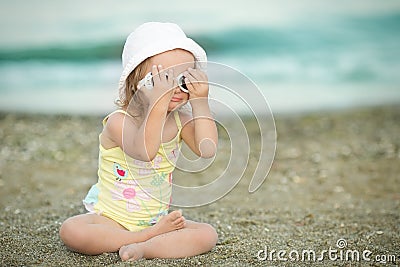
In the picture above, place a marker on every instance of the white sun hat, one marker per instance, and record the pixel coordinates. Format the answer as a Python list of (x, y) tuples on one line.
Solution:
[(153, 38)]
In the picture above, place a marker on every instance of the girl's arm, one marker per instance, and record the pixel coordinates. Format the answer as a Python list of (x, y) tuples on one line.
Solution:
[(200, 134), (143, 141)]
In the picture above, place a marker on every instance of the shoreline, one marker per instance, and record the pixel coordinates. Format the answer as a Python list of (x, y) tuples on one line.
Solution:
[(335, 176), (279, 113)]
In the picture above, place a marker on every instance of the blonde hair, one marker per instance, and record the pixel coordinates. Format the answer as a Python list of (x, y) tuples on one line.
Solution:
[(130, 98)]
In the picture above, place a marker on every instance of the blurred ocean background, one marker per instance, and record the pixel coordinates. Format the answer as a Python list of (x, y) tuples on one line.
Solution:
[(64, 56)]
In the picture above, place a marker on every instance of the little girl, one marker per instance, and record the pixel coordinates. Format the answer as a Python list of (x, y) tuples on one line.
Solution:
[(139, 145)]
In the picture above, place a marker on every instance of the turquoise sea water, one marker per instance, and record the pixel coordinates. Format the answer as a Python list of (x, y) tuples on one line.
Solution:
[(65, 57)]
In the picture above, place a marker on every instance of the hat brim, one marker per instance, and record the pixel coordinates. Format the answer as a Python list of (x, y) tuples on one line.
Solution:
[(152, 50)]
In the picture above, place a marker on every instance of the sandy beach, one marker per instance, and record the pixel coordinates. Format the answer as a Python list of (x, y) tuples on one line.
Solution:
[(334, 185)]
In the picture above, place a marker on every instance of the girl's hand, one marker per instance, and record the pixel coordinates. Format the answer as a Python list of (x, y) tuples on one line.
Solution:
[(197, 83), (164, 83)]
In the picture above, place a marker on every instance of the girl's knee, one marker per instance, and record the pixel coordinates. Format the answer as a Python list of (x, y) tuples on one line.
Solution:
[(66, 230), (209, 236), (70, 233)]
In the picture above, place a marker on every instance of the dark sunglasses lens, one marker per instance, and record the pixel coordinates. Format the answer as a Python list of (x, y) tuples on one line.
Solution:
[(182, 84)]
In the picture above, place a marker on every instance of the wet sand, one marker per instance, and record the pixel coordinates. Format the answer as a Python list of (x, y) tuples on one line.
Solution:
[(336, 175)]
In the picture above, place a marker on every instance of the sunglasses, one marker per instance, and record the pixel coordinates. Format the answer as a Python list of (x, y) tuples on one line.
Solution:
[(147, 82)]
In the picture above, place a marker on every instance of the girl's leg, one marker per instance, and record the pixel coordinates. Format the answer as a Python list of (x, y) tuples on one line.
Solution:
[(194, 239), (94, 234)]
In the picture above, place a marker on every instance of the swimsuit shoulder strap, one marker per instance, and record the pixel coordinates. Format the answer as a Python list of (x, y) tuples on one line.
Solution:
[(116, 111), (177, 120)]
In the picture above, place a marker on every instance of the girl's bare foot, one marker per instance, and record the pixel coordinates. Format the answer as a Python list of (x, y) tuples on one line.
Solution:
[(170, 222), (131, 252)]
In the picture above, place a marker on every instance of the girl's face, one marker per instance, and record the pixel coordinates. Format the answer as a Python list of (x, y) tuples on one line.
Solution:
[(180, 60)]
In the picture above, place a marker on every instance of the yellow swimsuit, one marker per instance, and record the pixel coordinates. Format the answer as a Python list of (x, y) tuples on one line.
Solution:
[(134, 193)]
